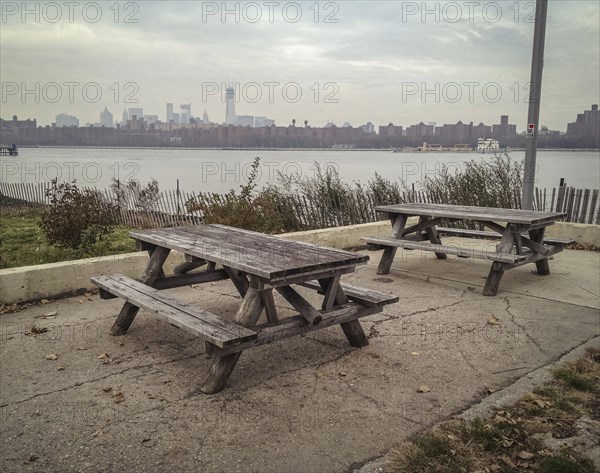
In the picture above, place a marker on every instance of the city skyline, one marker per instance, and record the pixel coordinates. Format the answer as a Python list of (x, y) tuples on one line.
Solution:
[(384, 62)]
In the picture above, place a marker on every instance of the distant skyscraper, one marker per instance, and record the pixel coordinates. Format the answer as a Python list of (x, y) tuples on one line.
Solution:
[(125, 117), (137, 112), (66, 120), (169, 116), (186, 112), (106, 118), (205, 119), (230, 118)]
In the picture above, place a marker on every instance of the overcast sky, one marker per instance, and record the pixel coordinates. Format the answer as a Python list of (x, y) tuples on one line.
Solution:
[(378, 61)]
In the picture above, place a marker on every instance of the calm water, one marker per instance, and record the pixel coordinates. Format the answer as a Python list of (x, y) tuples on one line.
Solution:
[(221, 170)]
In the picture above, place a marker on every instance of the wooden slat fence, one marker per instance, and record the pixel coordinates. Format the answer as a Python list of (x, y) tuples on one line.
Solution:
[(350, 207)]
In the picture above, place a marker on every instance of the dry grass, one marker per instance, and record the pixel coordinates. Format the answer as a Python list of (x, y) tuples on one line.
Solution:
[(541, 433)]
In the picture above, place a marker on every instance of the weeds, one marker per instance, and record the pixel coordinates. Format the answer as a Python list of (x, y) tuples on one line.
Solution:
[(541, 433)]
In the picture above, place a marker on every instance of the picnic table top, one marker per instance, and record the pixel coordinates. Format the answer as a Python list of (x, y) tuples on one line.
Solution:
[(528, 217), (265, 256)]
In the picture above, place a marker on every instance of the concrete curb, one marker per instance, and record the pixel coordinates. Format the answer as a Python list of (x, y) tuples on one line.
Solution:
[(66, 278), (508, 395)]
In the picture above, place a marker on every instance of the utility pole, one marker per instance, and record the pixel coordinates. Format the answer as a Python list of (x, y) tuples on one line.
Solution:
[(533, 117)]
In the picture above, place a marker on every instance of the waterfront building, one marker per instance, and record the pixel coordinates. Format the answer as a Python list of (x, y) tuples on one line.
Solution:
[(106, 118), (136, 112), (63, 119), (230, 117), (586, 128)]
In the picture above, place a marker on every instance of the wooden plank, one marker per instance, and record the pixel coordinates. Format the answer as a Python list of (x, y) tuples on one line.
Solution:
[(592, 213), (506, 257), (262, 255), (433, 237), (461, 232), (222, 367), (352, 329), (584, 209), (270, 308), (472, 213), (186, 266), (399, 222), (297, 325), (152, 272), (190, 278), (217, 330), (492, 284), (320, 274), (422, 225), (240, 281), (332, 285), (361, 295), (298, 302)]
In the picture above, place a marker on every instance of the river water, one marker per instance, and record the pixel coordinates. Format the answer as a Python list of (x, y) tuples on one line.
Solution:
[(221, 170)]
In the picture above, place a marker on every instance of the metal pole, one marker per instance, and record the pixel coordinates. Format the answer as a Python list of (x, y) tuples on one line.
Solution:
[(533, 117)]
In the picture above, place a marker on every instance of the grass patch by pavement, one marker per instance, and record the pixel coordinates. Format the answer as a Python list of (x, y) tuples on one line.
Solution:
[(548, 431), (22, 243)]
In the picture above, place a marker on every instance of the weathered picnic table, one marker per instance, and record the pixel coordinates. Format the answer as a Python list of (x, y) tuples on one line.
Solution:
[(522, 239), (256, 264)]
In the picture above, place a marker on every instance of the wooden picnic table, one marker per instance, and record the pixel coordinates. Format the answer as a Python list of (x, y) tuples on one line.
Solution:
[(522, 237), (256, 264)]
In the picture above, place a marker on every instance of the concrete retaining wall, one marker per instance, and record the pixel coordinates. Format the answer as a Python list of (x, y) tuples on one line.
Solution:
[(69, 277)]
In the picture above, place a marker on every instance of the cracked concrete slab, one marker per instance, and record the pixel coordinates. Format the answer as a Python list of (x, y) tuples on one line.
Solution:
[(306, 404)]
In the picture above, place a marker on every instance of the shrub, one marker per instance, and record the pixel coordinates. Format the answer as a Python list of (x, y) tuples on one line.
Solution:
[(75, 218), (258, 212), (144, 198)]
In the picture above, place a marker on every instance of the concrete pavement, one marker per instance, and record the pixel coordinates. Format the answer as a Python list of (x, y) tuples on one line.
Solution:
[(306, 404)]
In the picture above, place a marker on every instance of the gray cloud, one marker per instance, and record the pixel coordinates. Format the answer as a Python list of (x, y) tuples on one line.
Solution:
[(372, 53)]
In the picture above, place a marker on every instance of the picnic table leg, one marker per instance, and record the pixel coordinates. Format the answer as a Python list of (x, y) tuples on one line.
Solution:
[(353, 330), (222, 367), (388, 254), (152, 272), (542, 266), (434, 238), (495, 276), (191, 263)]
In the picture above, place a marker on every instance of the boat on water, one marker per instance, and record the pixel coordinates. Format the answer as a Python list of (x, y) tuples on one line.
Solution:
[(488, 145), (435, 148)]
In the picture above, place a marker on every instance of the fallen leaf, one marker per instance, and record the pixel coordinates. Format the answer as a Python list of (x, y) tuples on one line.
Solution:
[(95, 434), (507, 443), (52, 356), (104, 356), (81, 301), (541, 403), (88, 294), (493, 320), (342, 373), (423, 389), (415, 353), (119, 397), (44, 301), (523, 455), (61, 368), (166, 381), (508, 461), (32, 458)]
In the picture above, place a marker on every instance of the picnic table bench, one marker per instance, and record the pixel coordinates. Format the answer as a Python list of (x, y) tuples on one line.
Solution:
[(522, 238), (257, 265)]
